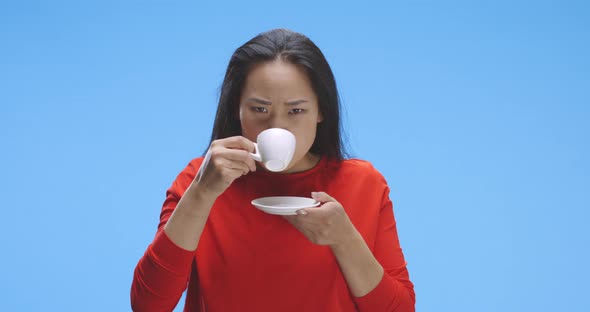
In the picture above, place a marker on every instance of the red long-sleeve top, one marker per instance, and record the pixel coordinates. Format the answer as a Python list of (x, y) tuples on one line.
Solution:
[(247, 260)]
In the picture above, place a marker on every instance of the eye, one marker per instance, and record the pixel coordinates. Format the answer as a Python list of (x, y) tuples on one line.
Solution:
[(296, 111), (259, 109)]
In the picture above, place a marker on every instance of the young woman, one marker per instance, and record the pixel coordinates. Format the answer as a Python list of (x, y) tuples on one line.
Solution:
[(341, 256)]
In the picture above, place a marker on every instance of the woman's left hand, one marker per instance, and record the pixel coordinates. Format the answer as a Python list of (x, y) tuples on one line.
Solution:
[(327, 224)]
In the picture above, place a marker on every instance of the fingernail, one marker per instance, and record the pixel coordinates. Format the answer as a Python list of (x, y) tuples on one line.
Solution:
[(301, 212), (314, 194)]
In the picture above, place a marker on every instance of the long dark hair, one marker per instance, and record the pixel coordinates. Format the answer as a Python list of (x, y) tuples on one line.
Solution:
[(296, 49)]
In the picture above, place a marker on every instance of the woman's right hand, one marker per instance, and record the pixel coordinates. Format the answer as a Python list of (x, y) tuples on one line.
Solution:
[(226, 160)]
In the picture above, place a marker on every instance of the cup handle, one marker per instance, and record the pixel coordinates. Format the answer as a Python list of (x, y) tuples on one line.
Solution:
[(256, 154)]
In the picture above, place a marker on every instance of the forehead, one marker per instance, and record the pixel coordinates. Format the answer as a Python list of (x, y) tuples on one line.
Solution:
[(278, 77)]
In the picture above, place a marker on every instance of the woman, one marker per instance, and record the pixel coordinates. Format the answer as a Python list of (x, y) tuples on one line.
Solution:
[(341, 256)]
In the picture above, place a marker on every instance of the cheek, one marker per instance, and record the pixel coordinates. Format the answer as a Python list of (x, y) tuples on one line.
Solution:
[(249, 130), (305, 137), (252, 126)]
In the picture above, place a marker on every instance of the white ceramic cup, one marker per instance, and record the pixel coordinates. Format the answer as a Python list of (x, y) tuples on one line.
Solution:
[(274, 148)]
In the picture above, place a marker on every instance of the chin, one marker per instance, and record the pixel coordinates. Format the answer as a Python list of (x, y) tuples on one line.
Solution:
[(295, 162)]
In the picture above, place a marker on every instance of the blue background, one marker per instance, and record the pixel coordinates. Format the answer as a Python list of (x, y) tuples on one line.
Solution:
[(476, 112)]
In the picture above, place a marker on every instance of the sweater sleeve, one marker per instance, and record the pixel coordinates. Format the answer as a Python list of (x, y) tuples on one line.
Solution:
[(162, 274), (395, 291)]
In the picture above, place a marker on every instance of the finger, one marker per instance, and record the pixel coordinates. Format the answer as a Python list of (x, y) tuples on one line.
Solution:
[(222, 163), (311, 213), (223, 154), (322, 197), (292, 220), (302, 226), (232, 174), (236, 165), (239, 142), (301, 212), (319, 214), (240, 156)]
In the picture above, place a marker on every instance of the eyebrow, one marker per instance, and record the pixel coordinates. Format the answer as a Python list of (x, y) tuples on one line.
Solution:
[(265, 102), (260, 101), (295, 102)]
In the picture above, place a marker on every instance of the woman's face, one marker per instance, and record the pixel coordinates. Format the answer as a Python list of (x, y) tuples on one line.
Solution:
[(278, 94)]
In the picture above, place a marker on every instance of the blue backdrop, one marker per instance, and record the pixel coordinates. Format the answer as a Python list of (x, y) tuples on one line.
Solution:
[(476, 112)]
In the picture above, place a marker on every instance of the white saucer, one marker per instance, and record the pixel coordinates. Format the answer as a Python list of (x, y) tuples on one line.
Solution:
[(284, 205)]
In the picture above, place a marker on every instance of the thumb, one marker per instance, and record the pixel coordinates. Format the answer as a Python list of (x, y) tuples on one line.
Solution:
[(319, 196), (322, 197)]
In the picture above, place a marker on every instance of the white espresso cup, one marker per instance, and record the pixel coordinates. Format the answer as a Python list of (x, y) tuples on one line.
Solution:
[(274, 148)]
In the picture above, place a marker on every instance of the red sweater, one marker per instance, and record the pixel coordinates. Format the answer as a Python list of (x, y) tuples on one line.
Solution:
[(247, 260)]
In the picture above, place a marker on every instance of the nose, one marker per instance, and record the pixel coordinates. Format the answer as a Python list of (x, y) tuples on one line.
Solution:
[(278, 122)]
